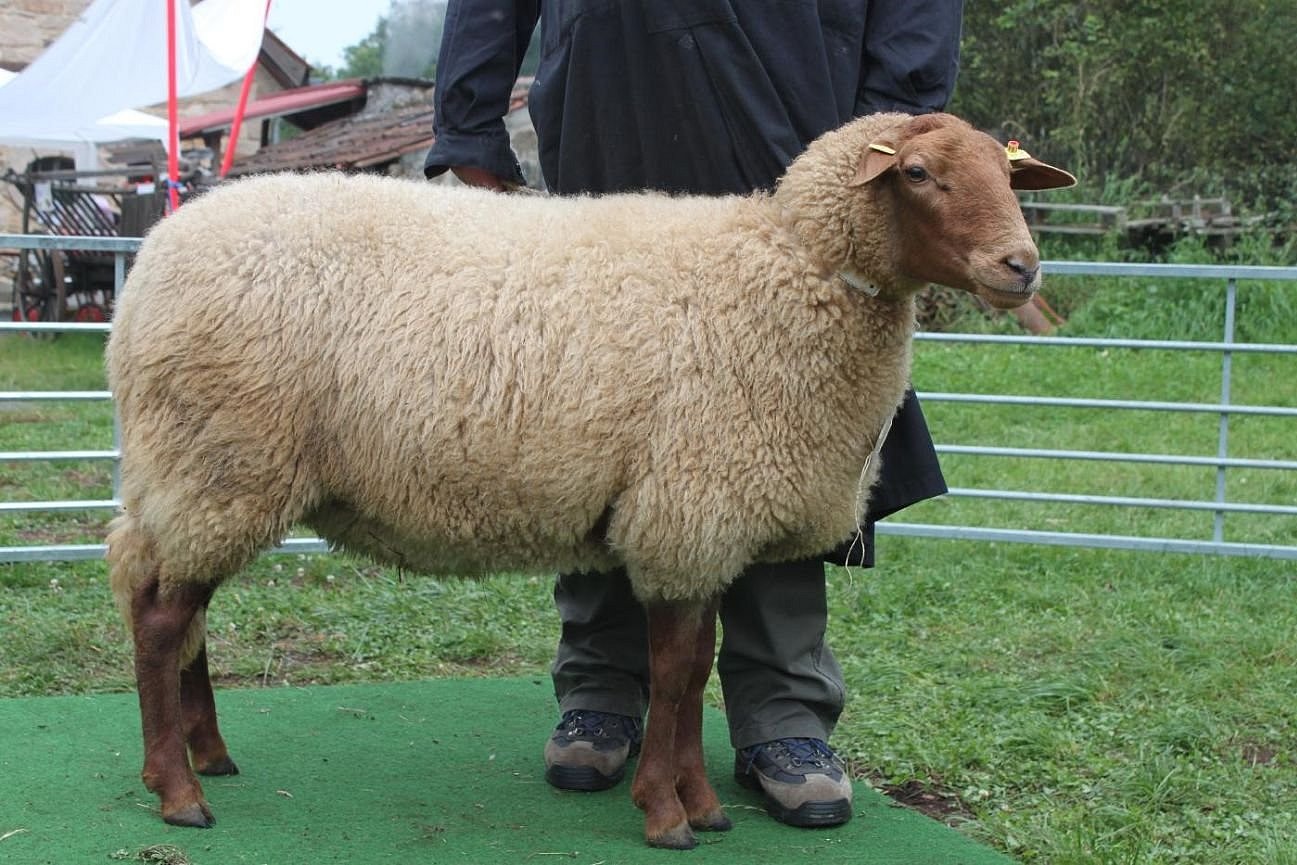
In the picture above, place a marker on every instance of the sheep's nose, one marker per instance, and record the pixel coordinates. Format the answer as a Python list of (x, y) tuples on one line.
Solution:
[(1026, 269)]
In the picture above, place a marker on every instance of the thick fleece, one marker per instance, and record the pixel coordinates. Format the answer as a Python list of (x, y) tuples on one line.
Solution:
[(456, 381)]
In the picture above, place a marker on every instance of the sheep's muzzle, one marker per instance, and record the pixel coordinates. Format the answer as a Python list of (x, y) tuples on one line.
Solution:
[(1009, 282)]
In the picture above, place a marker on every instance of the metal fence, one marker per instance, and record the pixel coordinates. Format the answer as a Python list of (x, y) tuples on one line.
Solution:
[(1219, 505)]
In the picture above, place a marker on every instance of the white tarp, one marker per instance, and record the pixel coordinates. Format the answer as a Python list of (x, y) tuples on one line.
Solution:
[(114, 58), (81, 140)]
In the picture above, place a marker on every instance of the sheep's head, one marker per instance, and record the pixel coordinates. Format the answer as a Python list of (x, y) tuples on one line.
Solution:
[(955, 218)]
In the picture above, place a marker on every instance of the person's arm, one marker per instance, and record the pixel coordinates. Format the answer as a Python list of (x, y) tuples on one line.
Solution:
[(911, 55), (482, 47)]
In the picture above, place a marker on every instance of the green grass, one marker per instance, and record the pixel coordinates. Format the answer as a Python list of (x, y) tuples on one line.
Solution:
[(1109, 374), (72, 362), (1088, 706), (1067, 706), (1082, 706)]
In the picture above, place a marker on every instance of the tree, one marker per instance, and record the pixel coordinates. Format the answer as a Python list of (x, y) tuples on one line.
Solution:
[(405, 43), (413, 38), (1155, 91), (365, 58)]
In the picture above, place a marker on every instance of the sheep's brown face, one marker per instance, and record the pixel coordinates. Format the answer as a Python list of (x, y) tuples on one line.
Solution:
[(959, 222)]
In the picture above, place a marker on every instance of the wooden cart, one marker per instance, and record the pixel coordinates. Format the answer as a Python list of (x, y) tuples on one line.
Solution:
[(74, 285)]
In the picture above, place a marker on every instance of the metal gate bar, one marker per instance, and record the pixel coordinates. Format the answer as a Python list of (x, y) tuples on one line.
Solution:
[(1221, 462)]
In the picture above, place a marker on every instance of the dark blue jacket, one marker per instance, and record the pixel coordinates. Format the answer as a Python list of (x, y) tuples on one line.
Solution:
[(699, 96), (703, 96)]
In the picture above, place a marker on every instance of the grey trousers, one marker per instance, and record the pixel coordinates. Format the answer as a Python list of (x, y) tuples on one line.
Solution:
[(779, 678)]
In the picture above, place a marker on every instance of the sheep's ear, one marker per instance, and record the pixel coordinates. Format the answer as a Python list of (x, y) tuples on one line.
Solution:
[(1034, 174), (1026, 172), (878, 158)]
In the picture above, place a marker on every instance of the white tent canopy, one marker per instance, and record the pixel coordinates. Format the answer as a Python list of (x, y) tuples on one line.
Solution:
[(113, 58), (82, 139)]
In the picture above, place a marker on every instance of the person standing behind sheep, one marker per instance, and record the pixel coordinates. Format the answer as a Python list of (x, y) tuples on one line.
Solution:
[(706, 97)]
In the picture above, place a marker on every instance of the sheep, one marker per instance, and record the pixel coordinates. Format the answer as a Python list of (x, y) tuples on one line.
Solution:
[(460, 382)]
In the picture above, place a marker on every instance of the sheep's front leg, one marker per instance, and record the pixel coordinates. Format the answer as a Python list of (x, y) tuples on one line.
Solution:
[(696, 794), (674, 728), (160, 622), (207, 750)]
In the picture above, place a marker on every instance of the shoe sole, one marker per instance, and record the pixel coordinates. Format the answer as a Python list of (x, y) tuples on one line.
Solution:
[(808, 815), (582, 779), (811, 815)]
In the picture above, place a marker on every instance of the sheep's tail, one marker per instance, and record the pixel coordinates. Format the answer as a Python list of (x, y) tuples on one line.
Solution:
[(133, 561)]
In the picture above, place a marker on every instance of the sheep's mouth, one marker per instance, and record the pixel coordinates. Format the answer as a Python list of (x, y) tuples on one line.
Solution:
[(1004, 298)]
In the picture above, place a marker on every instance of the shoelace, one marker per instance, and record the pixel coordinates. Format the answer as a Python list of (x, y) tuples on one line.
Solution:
[(801, 752), (577, 722)]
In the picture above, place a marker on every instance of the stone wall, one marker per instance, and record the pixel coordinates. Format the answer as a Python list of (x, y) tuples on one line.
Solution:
[(27, 27)]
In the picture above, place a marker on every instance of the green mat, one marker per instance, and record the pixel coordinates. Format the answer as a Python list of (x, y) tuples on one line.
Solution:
[(438, 771)]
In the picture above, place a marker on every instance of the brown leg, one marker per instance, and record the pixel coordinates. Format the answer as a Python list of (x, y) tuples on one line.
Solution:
[(673, 638), (160, 623), (207, 749), (697, 796)]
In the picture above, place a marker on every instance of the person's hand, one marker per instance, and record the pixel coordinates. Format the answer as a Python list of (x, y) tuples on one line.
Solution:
[(479, 177)]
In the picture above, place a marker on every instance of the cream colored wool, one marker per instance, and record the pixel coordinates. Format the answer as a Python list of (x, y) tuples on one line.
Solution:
[(457, 381)]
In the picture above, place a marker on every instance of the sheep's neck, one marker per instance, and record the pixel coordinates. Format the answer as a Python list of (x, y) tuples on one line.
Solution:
[(833, 260), (852, 308)]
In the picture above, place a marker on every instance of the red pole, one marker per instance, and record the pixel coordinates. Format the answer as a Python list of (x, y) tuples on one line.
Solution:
[(237, 126), (173, 120)]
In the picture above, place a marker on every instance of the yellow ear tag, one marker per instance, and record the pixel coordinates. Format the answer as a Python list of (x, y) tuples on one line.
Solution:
[(1015, 152), (882, 148)]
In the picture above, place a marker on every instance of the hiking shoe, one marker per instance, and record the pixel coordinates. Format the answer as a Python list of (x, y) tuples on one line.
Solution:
[(589, 750), (803, 781)]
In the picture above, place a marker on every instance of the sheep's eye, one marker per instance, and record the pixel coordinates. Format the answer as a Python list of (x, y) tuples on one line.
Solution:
[(916, 173)]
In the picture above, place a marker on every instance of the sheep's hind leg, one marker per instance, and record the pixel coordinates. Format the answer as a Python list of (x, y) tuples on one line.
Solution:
[(674, 633), (207, 750), (161, 621), (696, 794)]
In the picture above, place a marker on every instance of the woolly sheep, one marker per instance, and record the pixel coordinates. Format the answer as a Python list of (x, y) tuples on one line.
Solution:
[(460, 382)]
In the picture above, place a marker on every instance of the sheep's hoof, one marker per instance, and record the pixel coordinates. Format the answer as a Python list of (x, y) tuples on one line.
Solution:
[(712, 821), (197, 815), (223, 766), (676, 838)]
